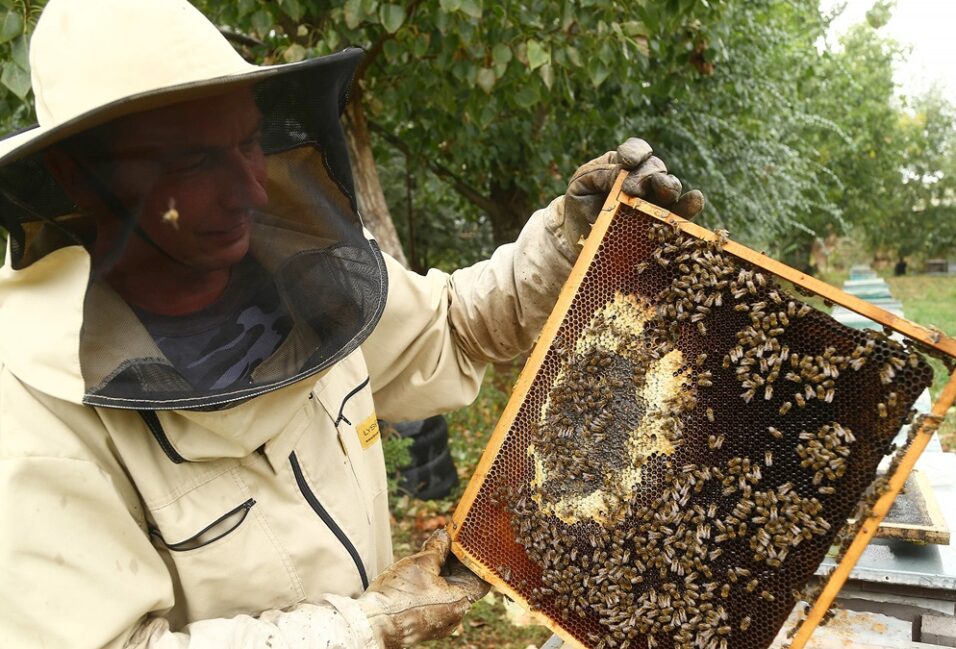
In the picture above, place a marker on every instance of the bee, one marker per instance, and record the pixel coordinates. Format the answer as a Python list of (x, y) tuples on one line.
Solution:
[(710, 415), (768, 458), (881, 409), (745, 623), (171, 215), (785, 407), (799, 399)]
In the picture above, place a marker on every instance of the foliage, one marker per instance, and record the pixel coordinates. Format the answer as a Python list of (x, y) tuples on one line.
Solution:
[(397, 453), (17, 18), (501, 100), (925, 219), (857, 137), (480, 111)]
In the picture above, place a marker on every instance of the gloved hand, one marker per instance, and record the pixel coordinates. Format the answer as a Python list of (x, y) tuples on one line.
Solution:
[(648, 179), (413, 600)]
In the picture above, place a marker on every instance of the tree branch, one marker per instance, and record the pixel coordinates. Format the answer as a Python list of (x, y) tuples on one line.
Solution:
[(457, 182), (241, 39)]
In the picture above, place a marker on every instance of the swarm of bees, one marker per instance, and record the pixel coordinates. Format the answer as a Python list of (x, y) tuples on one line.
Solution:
[(695, 443)]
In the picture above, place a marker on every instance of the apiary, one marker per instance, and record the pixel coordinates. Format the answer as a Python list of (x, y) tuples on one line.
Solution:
[(686, 443)]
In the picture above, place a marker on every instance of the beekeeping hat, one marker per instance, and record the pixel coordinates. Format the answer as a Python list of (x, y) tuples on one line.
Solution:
[(96, 63)]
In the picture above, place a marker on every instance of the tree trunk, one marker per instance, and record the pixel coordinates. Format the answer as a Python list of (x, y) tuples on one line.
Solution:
[(511, 210), (368, 187)]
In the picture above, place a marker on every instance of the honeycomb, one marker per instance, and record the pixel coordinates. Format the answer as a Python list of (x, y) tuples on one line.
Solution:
[(690, 447)]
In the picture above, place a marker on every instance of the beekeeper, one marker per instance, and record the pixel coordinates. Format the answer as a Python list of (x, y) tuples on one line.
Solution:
[(196, 338)]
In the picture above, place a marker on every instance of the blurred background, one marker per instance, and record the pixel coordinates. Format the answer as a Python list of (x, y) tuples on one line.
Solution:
[(822, 132)]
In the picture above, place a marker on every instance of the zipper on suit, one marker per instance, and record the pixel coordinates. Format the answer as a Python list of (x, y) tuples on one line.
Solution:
[(313, 501)]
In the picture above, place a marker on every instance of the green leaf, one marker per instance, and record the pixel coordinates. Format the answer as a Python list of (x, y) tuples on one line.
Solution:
[(489, 113), (12, 26), (538, 54), (332, 38), (21, 52), (547, 75), (466, 31), (16, 79), (449, 6), (501, 54), (392, 17), (567, 15), (294, 53), (635, 28), (574, 56), (486, 79), (369, 8), (521, 53), (353, 13), (527, 96), (471, 74), (392, 50), (597, 71), (243, 7), (293, 9), (262, 22), (442, 21), (471, 8), (420, 48)]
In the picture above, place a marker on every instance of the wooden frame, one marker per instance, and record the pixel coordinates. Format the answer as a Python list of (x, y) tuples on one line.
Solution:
[(935, 532), (929, 337)]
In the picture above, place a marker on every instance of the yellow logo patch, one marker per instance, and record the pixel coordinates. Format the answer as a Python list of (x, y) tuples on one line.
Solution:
[(368, 431)]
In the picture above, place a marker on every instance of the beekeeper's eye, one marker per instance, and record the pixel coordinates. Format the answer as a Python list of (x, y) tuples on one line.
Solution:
[(252, 145), (188, 161)]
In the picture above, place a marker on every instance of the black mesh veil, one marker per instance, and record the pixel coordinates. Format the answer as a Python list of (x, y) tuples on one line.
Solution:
[(322, 275)]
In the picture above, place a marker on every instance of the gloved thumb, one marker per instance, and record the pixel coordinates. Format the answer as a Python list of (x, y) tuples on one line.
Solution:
[(464, 580), (435, 551)]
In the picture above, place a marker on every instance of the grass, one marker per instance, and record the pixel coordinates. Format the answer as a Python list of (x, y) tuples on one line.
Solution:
[(926, 300), (931, 300)]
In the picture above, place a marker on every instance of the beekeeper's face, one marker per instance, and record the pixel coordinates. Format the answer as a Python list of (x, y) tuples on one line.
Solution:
[(193, 173)]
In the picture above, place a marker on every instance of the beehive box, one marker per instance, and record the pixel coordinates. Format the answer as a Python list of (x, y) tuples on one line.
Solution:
[(685, 443)]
